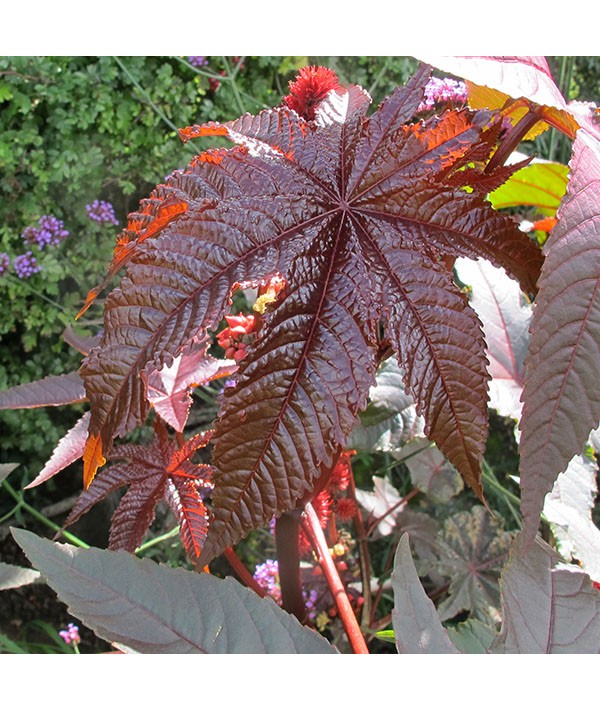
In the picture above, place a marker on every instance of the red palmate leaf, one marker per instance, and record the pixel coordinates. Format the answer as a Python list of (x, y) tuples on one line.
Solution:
[(356, 213), (152, 473), (185, 499)]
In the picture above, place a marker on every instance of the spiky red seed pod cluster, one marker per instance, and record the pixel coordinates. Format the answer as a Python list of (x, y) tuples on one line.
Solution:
[(310, 88)]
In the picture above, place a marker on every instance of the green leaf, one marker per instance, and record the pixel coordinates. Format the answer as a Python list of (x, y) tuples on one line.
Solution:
[(430, 471), (472, 637), (5, 92), (390, 419), (541, 185), (472, 549), (152, 609)]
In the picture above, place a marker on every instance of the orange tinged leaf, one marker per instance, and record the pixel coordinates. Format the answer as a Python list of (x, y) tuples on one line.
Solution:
[(207, 129), (135, 234), (92, 459)]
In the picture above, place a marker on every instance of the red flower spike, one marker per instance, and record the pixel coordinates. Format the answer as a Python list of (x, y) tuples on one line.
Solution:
[(341, 475), (345, 509), (310, 88)]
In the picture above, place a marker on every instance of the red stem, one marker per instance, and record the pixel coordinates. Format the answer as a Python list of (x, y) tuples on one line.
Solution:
[(365, 557), (512, 140), (242, 573), (314, 530)]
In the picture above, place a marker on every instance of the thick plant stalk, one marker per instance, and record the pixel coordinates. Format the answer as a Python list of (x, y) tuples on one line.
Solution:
[(287, 528), (355, 636)]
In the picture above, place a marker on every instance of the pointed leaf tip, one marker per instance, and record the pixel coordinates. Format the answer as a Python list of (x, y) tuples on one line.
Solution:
[(93, 459), (154, 609)]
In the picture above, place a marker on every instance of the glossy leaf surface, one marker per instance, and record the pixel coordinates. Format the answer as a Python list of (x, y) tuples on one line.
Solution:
[(356, 213)]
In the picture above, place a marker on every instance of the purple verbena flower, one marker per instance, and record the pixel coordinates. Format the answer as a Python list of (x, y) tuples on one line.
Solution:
[(440, 91), (198, 61), (25, 265), (267, 576), (4, 263), (71, 634), (49, 231), (101, 211)]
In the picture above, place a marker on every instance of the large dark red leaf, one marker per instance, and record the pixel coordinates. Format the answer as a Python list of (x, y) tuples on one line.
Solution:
[(298, 395), (356, 214)]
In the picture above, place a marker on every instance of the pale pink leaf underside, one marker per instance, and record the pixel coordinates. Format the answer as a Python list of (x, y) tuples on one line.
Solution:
[(68, 450), (562, 394), (505, 315)]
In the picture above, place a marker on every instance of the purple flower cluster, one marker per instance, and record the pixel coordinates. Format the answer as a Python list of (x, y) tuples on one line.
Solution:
[(440, 91), (4, 262), (267, 576), (198, 61), (71, 634), (25, 265), (101, 211), (49, 231)]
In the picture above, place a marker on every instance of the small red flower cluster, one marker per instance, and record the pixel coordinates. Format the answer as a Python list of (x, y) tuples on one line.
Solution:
[(242, 329), (333, 500), (310, 88), (235, 338)]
